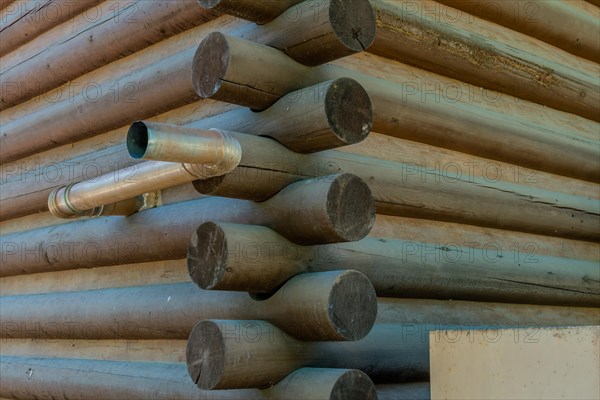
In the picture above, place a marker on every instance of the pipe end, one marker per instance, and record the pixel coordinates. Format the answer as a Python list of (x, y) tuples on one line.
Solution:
[(137, 139), (353, 384)]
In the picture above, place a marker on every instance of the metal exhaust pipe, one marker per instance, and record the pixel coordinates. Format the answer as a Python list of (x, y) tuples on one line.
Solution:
[(201, 154)]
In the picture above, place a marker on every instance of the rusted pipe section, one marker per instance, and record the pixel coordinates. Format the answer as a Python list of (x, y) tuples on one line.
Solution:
[(212, 153)]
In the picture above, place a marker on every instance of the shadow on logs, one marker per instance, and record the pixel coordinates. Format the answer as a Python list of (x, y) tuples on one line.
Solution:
[(225, 256), (87, 379), (336, 305)]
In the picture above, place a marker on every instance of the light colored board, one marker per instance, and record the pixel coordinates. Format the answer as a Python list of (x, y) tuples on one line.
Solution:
[(521, 364)]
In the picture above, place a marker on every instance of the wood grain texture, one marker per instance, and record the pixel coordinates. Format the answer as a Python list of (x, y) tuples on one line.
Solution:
[(229, 69), (322, 210), (316, 32), (486, 55), (570, 25), (90, 379), (23, 20), (256, 259), (338, 305), (121, 29)]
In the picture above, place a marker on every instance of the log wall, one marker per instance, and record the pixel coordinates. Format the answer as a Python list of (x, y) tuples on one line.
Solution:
[(482, 162)]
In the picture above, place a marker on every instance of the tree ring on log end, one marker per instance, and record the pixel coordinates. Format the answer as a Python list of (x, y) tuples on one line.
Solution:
[(205, 354), (353, 305), (353, 384), (207, 255), (354, 23), (350, 207), (349, 110), (211, 60)]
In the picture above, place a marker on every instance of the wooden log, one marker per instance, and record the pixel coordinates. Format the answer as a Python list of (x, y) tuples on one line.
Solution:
[(469, 49), (87, 379), (250, 258), (571, 26), (404, 391), (258, 11), (329, 114), (390, 352), (422, 312), (145, 81), (415, 191), (316, 32), (323, 116), (5, 3), (152, 81), (339, 208), (594, 2), (336, 305), (96, 42), (399, 352), (24, 20), (229, 69)]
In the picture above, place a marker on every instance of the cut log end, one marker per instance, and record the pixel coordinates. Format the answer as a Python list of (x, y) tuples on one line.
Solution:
[(207, 255), (211, 60), (354, 23), (350, 207), (205, 354), (353, 384), (349, 111), (353, 305)]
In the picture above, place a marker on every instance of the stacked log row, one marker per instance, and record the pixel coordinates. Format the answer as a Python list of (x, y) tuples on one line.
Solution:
[(288, 223)]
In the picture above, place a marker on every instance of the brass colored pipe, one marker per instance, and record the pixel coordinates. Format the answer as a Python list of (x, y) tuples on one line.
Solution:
[(212, 153)]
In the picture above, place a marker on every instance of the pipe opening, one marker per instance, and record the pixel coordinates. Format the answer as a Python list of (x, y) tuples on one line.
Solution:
[(137, 139)]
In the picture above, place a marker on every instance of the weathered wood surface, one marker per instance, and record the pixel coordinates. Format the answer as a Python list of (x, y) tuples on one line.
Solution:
[(419, 312), (466, 238), (258, 11), (121, 28), (160, 71), (410, 190), (329, 114), (256, 259), (486, 55), (397, 352), (229, 69), (338, 305), (323, 116), (322, 210), (23, 20), (315, 32), (570, 25), (87, 379)]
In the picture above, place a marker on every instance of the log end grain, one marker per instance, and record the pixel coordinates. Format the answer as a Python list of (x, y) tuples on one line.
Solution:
[(207, 255), (349, 111), (353, 384), (211, 61), (350, 207), (353, 305), (354, 23), (205, 354)]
